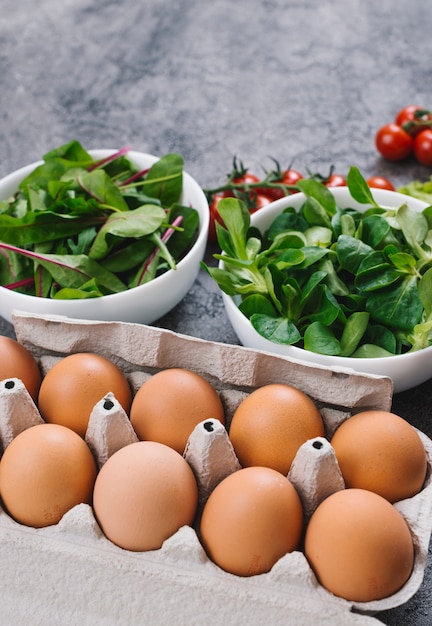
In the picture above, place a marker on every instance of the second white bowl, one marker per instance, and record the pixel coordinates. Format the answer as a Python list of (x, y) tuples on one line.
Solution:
[(406, 370)]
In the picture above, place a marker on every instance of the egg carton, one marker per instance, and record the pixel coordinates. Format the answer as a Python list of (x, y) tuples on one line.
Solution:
[(70, 573)]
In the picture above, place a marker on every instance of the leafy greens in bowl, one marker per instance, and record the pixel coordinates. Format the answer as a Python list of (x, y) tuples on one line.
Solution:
[(100, 234), (339, 277)]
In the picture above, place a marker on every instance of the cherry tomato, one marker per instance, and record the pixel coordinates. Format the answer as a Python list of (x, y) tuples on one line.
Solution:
[(336, 180), (411, 122), (407, 114), (214, 215), (246, 179), (291, 177), (288, 177), (272, 193), (393, 142), (259, 202), (379, 182), (423, 147)]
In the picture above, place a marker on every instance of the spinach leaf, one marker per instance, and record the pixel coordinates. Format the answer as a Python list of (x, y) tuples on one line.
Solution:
[(370, 351), (237, 220), (398, 306), (320, 194), (315, 214), (415, 228), (353, 332), (164, 180), (126, 224), (98, 185), (71, 270), (279, 329), (35, 228), (71, 151), (351, 252), (184, 237), (287, 222), (421, 336), (375, 231), (326, 308), (359, 188), (425, 292), (257, 303), (319, 338), (375, 272)]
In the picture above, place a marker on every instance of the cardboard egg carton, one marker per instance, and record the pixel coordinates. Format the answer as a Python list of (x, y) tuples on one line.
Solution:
[(70, 573)]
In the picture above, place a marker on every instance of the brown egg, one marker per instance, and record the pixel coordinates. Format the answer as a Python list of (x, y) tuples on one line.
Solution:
[(17, 362), (271, 424), (45, 471), (359, 546), (251, 520), (143, 494), (169, 405), (382, 452), (72, 387)]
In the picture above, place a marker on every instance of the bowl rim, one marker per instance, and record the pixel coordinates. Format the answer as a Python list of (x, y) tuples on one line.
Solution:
[(342, 192), (19, 174)]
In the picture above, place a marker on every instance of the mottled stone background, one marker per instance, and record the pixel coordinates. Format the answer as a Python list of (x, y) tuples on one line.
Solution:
[(307, 83)]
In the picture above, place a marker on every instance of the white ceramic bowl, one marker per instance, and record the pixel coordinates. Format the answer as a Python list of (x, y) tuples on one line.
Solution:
[(143, 304), (406, 370)]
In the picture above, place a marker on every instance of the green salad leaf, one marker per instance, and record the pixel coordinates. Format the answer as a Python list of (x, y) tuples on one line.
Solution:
[(333, 281), (418, 189), (83, 228)]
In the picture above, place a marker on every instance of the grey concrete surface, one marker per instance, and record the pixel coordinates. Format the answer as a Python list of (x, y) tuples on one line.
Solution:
[(307, 83)]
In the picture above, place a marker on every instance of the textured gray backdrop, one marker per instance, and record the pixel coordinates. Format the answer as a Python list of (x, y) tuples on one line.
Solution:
[(305, 82)]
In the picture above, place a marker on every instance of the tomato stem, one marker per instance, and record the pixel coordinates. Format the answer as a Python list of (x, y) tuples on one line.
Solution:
[(242, 187), (413, 126), (422, 119)]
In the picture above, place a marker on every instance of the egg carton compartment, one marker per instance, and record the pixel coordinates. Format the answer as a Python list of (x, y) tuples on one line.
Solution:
[(72, 571)]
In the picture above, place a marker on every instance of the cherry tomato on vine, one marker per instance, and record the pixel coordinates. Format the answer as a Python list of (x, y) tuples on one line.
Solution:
[(272, 193), (288, 177), (393, 142), (423, 147), (336, 180), (246, 179), (411, 122), (214, 215), (407, 114), (257, 201), (379, 182), (261, 200), (291, 177)]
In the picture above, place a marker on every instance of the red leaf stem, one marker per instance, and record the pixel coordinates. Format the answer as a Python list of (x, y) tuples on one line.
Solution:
[(167, 234), (134, 177), (107, 159)]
